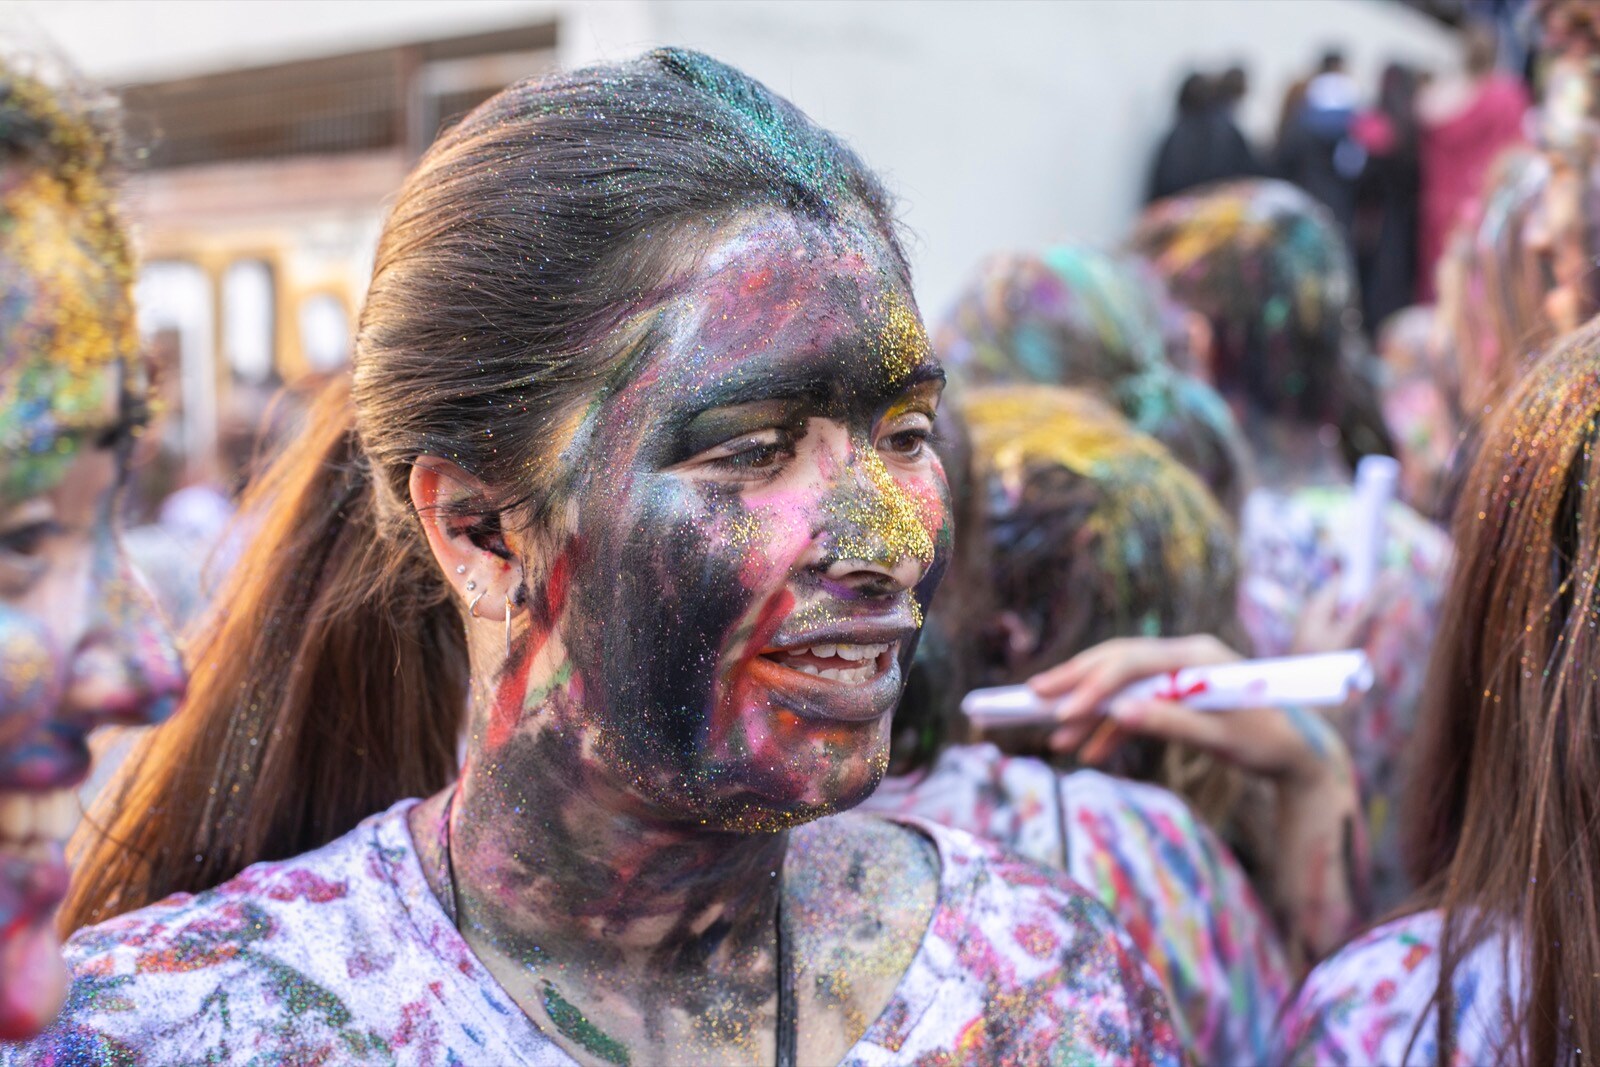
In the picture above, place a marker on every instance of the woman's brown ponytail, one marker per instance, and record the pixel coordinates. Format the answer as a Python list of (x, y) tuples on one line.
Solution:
[(331, 682)]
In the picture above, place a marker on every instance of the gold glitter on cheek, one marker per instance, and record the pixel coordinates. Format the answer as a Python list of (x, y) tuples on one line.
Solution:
[(880, 522)]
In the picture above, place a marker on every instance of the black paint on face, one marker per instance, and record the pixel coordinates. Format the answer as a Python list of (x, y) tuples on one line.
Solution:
[(757, 482)]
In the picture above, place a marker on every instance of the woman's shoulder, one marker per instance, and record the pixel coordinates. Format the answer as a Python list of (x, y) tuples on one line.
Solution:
[(1006, 931), (1373, 1000), (214, 926), (332, 955)]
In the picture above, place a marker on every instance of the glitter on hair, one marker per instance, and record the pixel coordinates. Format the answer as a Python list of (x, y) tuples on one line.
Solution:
[(1100, 321), (1265, 263)]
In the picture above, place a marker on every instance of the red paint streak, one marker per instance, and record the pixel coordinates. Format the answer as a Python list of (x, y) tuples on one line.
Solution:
[(738, 689), (1174, 691), (308, 886), (759, 280), (513, 690)]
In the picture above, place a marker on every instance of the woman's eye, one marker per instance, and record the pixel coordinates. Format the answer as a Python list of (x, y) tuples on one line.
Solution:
[(907, 436), (759, 453), (908, 443), (29, 540)]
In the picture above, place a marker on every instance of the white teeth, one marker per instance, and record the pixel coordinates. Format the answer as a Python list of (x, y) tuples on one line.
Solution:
[(853, 653), (848, 675), (30, 817)]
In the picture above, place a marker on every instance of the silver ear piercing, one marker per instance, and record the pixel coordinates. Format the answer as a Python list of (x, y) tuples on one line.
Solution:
[(472, 609), (461, 568)]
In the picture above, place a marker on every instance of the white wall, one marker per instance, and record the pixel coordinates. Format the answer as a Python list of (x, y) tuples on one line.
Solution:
[(1013, 124), (999, 123)]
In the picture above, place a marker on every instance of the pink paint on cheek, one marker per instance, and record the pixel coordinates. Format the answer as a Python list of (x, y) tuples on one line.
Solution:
[(773, 538)]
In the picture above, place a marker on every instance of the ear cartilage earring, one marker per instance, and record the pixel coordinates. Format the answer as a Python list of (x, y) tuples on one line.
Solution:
[(471, 586), (472, 608), (461, 568)]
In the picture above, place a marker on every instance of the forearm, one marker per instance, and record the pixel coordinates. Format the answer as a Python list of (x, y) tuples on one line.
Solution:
[(1321, 868)]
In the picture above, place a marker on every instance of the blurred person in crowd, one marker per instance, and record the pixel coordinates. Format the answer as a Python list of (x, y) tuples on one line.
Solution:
[(1264, 263), (1316, 151), (656, 530), (1203, 145), (1497, 957), (1418, 394), (1466, 123), (1233, 85), (81, 643), (1387, 205), (1103, 322), (1087, 531)]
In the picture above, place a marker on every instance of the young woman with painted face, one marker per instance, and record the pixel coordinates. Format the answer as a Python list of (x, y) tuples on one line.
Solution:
[(80, 643), (641, 395), (1265, 265), (1497, 957)]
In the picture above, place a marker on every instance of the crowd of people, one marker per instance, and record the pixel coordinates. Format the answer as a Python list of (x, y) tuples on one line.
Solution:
[(584, 681), (1397, 167)]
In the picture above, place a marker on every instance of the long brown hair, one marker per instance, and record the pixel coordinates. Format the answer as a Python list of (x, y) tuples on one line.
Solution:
[(1504, 816), (516, 269)]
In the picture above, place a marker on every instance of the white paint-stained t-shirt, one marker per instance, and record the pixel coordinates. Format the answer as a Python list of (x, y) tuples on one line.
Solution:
[(343, 955)]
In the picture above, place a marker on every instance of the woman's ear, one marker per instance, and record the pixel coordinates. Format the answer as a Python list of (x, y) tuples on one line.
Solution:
[(466, 540)]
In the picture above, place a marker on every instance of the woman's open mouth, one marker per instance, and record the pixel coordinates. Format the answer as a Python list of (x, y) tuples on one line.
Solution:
[(30, 823), (846, 664)]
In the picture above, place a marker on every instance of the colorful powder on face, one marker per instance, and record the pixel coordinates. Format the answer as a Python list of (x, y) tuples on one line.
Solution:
[(66, 310), (880, 524)]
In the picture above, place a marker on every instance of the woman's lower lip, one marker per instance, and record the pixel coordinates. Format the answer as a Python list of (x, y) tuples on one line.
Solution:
[(813, 697)]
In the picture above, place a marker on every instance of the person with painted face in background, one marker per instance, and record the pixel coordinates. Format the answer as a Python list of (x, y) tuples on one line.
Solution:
[(80, 640), (1496, 958), (1102, 321), (635, 468), (1267, 268)]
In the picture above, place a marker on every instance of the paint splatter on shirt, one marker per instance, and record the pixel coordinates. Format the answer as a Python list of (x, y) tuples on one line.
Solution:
[(344, 955), (1166, 877), (1363, 1004), (1292, 545)]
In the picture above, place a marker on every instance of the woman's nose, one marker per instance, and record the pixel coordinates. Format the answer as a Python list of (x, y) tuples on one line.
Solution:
[(875, 538), (127, 668)]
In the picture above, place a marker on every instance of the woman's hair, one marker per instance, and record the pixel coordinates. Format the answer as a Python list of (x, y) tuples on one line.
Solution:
[(1491, 288), (1503, 818), (1266, 265), (1094, 531), (1099, 321), (516, 270)]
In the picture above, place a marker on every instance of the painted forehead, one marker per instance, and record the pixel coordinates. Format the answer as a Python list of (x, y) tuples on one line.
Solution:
[(774, 293), (66, 324)]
